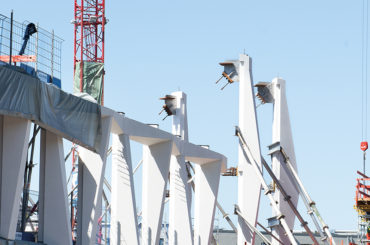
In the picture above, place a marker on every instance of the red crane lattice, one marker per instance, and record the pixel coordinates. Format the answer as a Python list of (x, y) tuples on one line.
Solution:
[(89, 28)]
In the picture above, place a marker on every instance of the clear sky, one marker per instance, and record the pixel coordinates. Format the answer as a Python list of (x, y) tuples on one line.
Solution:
[(156, 47)]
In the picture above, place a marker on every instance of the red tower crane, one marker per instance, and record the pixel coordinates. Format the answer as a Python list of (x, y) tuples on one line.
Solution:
[(89, 29)]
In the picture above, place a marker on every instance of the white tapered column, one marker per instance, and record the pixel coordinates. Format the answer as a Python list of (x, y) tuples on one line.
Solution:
[(281, 132), (207, 179), (54, 226), (14, 136), (249, 186), (123, 226), (180, 119), (91, 171), (156, 163), (180, 230)]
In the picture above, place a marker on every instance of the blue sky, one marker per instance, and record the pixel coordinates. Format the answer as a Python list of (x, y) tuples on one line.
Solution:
[(156, 47)]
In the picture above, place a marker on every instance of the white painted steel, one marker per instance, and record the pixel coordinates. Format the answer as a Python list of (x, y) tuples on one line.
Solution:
[(54, 224), (252, 227), (180, 228), (265, 187), (281, 132), (180, 118), (207, 179), (159, 145), (156, 163), (91, 171), (311, 206), (123, 225), (14, 135), (249, 186)]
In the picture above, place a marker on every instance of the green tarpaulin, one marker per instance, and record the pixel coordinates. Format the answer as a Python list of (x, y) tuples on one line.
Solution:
[(92, 79)]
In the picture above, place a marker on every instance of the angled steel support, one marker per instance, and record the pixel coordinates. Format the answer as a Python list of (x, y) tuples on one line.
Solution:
[(14, 136), (91, 170), (207, 179), (54, 225), (123, 225), (156, 163), (310, 205), (273, 202), (237, 212)]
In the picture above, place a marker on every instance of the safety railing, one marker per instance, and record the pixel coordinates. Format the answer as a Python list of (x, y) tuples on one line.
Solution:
[(42, 54)]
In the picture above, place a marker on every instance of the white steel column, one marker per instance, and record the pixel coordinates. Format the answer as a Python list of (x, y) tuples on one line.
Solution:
[(91, 169), (180, 118), (14, 136), (249, 186), (207, 179), (282, 133), (180, 230), (156, 163), (54, 225), (123, 226)]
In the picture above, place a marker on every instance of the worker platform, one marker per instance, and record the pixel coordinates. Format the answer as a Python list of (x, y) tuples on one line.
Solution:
[(363, 193)]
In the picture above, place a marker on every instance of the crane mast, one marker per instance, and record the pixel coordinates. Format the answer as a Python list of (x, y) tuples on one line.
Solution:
[(89, 29)]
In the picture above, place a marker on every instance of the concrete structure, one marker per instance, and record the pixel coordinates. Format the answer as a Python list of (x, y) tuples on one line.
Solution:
[(249, 186), (124, 226), (54, 227), (159, 146), (14, 134), (281, 132), (180, 229)]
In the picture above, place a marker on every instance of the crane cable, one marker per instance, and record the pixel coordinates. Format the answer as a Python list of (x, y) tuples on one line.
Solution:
[(364, 66)]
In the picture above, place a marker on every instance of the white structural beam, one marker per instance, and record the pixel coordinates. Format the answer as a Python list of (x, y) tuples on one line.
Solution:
[(156, 163), (91, 172), (281, 132), (123, 225), (139, 132), (14, 135), (148, 135), (54, 226), (207, 178), (249, 186), (180, 229)]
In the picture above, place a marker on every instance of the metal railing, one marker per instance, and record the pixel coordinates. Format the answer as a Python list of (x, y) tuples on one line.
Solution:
[(44, 45)]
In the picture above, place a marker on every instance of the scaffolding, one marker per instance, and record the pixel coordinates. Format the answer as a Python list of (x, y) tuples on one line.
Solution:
[(362, 207)]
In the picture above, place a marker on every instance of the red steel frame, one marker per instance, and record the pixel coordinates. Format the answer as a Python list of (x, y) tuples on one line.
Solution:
[(363, 196), (89, 30)]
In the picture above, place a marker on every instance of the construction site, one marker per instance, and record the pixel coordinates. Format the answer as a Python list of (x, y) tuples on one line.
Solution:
[(110, 154)]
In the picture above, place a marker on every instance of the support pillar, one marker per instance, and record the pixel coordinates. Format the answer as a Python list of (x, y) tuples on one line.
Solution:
[(207, 179), (54, 226), (180, 228), (123, 229), (281, 132), (249, 186), (180, 232), (156, 163), (14, 136), (91, 170)]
